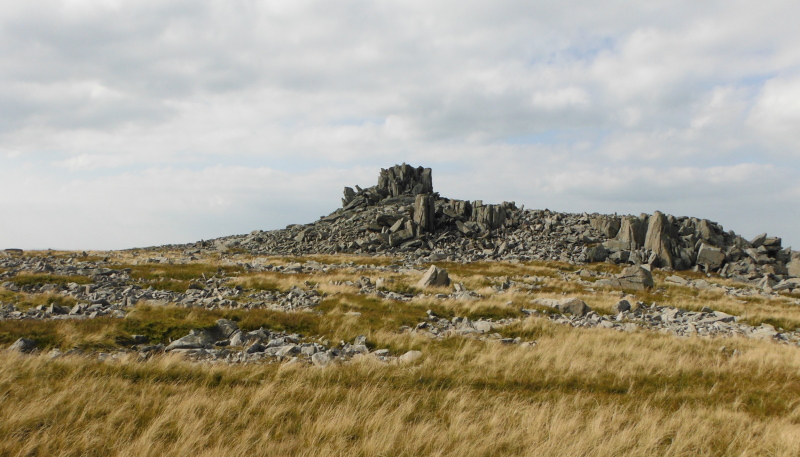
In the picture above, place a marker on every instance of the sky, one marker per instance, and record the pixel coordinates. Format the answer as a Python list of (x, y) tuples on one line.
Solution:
[(129, 124)]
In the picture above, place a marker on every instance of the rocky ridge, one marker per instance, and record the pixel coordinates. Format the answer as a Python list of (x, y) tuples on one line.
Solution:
[(402, 216)]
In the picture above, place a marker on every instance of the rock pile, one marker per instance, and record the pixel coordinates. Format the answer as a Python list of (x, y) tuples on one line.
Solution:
[(628, 318), (112, 292), (401, 215), (225, 342), (674, 321), (482, 329)]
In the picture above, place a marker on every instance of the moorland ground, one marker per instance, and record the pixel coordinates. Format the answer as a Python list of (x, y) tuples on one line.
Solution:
[(577, 391)]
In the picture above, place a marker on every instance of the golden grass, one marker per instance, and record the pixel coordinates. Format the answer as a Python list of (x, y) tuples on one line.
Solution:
[(578, 392)]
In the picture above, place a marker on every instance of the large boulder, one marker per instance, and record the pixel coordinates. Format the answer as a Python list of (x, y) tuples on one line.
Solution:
[(758, 240), (597, 253), (227, 327), (634, 277), (425, 212), (794, 265), (621, 306), (631, 233), (434, 277), (710, 256), (658, 239), (573, 305), (23, 345), (710, 232), (205, 337)]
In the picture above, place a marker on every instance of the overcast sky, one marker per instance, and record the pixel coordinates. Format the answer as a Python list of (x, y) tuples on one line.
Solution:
[(139, 123)]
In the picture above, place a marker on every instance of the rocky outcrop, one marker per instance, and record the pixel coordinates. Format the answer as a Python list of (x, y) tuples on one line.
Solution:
[(403, 216), (397, 181), (793, 268), (658, 240), (425, 213), (262, 345)]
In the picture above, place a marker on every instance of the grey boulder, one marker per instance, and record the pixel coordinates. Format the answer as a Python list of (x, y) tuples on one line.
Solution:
[(710, 256), (632, 278), (23, 345), (575, 306), (435, 276), (201, 338), (621, 306)]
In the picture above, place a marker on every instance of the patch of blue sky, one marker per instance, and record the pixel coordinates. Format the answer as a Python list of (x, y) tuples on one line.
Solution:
[(756, 80), (584, 48)]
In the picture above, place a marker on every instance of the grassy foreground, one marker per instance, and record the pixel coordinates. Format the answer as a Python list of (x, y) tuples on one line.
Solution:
[(581, 392), (577, 393)]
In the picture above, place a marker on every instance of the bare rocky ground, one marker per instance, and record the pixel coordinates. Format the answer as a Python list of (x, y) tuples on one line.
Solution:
[(407, 227)]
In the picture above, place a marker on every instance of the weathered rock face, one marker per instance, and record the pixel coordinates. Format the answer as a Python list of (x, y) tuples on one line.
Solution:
[(489, 216), (710, 256), (659, 240), (405, 179), (398, 181), (632, 232), (425, 212), (794, 265)]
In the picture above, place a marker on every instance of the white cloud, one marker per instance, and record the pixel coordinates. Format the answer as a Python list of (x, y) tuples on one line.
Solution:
[(776, 113), (178, 110)]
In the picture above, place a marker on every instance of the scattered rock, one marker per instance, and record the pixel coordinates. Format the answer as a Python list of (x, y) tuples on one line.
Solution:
[(410, 356), (434, 277), (622, 306), (23, 345), (634, 277), (575, 306)]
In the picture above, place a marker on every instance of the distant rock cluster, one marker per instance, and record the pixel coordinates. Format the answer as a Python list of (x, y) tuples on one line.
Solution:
[(225, 342), (112, 292), (401, 215)]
